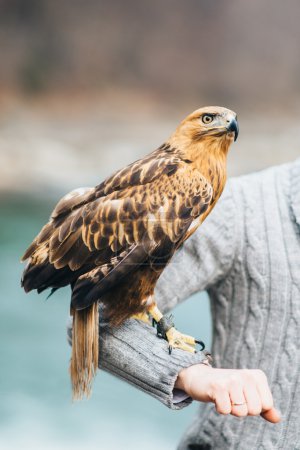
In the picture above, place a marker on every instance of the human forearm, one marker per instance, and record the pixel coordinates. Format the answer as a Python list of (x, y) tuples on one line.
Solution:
[(134, 353)]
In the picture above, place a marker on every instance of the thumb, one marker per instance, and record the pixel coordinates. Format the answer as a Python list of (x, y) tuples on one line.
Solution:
[(271, 415)]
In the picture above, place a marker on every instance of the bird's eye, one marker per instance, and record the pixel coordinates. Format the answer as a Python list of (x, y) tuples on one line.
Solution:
[(207, 118)]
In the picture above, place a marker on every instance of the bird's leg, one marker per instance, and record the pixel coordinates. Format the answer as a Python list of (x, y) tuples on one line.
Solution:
[(144, 317), (167, 330)]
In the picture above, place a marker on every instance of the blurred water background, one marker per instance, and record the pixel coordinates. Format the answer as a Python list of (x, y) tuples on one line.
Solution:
[(36, 411), (86, 87)]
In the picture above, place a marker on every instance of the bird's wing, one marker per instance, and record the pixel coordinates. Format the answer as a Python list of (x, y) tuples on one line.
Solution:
[(113, 233), (136, 223), (143, 171), (140, 172), (153, 211), (162, 161)]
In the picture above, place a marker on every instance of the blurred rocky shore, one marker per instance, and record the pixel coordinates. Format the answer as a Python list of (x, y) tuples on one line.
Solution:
[(49, 149)]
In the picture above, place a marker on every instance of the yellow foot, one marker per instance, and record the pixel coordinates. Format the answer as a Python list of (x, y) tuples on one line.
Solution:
[(173, 336), (182, 341), (179, 340), (144, 317)]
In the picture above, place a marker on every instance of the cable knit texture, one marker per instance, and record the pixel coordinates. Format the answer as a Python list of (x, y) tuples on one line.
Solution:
[(135, 354), (247, 256), (256, 311)]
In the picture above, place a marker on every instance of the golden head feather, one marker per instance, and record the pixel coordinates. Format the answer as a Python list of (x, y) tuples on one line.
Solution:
[(211, 127)]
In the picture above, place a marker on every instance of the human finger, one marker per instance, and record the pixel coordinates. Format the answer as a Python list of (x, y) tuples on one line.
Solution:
[(253, 399), (239, 407), (272, 415), (222, 401), (263, 389)]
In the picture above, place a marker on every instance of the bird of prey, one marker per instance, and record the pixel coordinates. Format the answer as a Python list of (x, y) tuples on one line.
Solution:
[(111, 243)]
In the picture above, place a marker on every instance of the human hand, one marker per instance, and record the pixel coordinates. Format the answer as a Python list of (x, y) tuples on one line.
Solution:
[(240, 392)]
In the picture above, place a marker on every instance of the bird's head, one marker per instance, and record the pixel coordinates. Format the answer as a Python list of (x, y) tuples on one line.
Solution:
[(213, 126)]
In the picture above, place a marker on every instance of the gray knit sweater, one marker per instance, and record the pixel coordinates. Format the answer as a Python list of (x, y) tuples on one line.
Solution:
[(247, 256)]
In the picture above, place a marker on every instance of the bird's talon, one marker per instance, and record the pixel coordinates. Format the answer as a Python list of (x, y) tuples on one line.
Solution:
[(182, 341), (201, 343)]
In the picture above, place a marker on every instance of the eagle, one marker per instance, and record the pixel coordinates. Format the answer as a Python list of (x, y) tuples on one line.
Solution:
[(111, 243)]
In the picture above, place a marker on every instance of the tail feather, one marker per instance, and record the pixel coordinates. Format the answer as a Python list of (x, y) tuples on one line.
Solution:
[(85, 348)]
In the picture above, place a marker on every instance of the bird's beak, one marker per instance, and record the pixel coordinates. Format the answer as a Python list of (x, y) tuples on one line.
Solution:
[(233, 127)]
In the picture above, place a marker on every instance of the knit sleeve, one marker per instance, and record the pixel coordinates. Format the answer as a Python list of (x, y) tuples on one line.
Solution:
[(133, 352)]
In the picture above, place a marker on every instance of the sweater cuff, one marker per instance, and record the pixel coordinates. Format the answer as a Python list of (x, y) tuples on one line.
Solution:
[(134, 353)]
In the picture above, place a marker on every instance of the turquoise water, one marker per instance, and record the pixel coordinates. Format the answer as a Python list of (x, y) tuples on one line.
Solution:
[(36, 411)]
